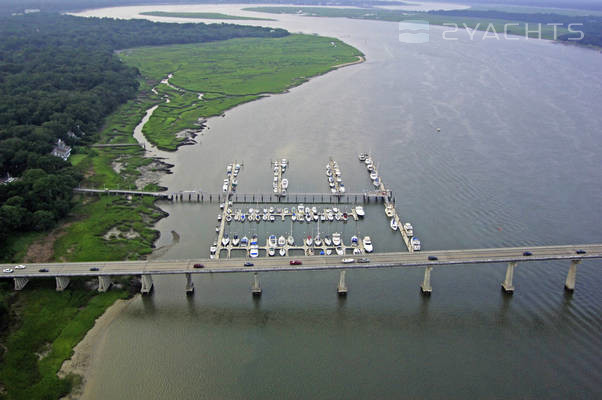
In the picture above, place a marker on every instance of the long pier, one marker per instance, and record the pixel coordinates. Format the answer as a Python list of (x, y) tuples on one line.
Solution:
[(105, 270), (263, 198)]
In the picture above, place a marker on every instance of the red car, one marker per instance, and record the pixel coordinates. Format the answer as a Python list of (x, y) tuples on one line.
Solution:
[(295, 262), (199, 266)]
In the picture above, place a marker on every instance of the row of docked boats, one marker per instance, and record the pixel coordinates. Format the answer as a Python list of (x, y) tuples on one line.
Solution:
[(299, 213), (335, 180), (367, 160), (230, 183), (280, 184)]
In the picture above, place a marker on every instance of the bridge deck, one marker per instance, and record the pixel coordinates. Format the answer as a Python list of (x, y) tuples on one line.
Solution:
[(380, 260)]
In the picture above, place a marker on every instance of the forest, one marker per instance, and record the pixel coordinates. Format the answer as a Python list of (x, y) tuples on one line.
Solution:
[(59, 79)]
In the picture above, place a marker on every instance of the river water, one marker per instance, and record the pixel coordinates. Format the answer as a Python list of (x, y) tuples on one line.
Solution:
[(517, 162)]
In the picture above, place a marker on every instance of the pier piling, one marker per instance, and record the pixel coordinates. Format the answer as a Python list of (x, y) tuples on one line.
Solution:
[(342, 288), (426, 288), (571, 277), (256, 287), (507, 286)]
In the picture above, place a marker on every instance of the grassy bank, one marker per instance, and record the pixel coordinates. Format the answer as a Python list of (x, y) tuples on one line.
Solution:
[(46, 327), (201, 15), (227, 74)]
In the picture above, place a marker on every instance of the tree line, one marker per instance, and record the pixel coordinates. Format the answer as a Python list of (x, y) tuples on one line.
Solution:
[(59, 79)]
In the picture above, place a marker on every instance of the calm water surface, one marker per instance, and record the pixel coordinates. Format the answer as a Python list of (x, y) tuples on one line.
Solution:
[(517, 162)]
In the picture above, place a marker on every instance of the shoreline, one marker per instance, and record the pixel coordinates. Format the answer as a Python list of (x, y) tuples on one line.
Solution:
[(87, 350)]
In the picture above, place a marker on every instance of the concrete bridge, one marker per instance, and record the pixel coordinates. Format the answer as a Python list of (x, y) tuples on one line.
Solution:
[(105, 270)]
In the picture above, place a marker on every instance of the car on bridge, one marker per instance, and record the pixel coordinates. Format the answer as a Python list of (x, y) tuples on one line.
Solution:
[(249, 264), (295, 262), (527, 253), (580, 251), (433, 258), (348, 260), (7, 270), (198, 266), (20, 266), (43, 270), (363, 260), (94, 269)]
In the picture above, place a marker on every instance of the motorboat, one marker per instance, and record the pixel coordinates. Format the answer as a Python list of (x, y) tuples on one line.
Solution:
[(322, 252), (308, 217), (314, 210), (282, 252), (330, 216), (271, 251), (389, 210), (243, 217), (363, 156), (335, 210), (284, 183), (217, 228), (236, 217), (342, 188), (415, 242), (228, 218), (281, 241), (272, 241), (333, 190), (272, 218), (354, 240), (317, 240), (393, 224), (254, 251), (254, 240), (340, 251), (300, 208), (316, 217), (328, 173), (234, 182), (244, 241), (290, 240), (294, 217), (368, 161), (376, 182), (336, 239), (328, 252), (213, 248), (373, 175), (345, 217), (322, 217), (359, 210), (308, 241), (229, 168), (222, 205), (370, 168), (219, 217), (225, 240), (409, 229), (367, 244), (327, 241), (265, 217), (235, 240), (307, 210), (285, 211), (338, 216), (271, 210)]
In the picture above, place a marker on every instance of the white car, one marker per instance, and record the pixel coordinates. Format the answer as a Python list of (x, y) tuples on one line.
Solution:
[(7, 270), (20, 266), (348, 260)]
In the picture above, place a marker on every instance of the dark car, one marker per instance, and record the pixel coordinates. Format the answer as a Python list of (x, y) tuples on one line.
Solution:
[(527, 253), (580, 251), (199, 266), (295, 262), (94, 269), (433, 258), (249, 264), (43, 270), (363, 260)]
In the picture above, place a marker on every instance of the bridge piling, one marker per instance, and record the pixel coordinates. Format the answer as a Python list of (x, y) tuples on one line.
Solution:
[(342, 288), (104, 283), (189, 284), (571, 277), (61, 283), (426, 288), (507, 286), (147, 284), (20, 283), (256, 287)]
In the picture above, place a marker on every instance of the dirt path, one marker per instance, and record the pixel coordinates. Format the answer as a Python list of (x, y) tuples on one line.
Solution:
[(42, 250)]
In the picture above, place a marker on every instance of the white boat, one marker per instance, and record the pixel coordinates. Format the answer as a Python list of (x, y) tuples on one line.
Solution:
[(338, 216), (271, 210), (243, 217), (359, 210), (363, 156), (314, 210), (308, 217), (236, 217), (327, 241), (409, 229), (373, 175), (336, 239), (254, 251), (265, 217), (290, 240), (415, 242), (309, 241), (281, 241), (330, 216), (316, 217), (213, 249), (235, 240), (368, 244), (219, 217), (272, 218), (222, 205), (322, 217), (282, 252), (340, 251), (225, 240), (272, 241), (317, 240), (393, 224), (368, 161), (244, 241), (376, 182), (284, 183), (328, 252), (389, 210), (342, 188), (294, 217), (300, 208), (228, 218), (271, 251)]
